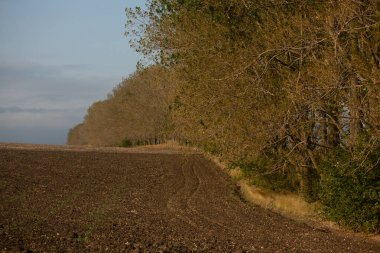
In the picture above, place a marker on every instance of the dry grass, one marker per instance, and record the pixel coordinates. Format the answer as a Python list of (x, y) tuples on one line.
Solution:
[(169, 146), (287, 204)]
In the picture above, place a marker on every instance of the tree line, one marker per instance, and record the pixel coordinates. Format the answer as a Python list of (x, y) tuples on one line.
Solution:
[(289, 91), (135, 113)]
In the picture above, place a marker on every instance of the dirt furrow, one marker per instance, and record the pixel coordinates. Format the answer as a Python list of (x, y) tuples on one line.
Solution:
[(177, 204), (62, 199), (191, 201)]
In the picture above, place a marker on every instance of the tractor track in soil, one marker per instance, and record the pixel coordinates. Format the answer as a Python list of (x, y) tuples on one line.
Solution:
[(92, 199)]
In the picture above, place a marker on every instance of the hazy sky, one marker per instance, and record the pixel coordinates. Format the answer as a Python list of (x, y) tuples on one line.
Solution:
[(57, 58)]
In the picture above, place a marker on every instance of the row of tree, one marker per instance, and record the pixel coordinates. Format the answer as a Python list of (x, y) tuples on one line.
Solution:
[(287, 90), (136, 112)]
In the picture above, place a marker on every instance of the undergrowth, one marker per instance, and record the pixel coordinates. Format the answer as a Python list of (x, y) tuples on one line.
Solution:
[(347, 186), (350, 191)]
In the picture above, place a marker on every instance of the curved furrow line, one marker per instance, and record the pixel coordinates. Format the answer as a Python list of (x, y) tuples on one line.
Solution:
[(174, 202), (180, 202), (193, 208)]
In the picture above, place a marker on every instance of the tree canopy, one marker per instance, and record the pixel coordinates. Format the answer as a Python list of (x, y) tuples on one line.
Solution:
[(287, 90)]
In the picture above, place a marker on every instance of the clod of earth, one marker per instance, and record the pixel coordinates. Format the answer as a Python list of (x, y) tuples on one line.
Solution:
[(60, 199)]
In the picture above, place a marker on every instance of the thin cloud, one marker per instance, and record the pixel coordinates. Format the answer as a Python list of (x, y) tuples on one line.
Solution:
[(15, 109), (37, 71), (29, 118)]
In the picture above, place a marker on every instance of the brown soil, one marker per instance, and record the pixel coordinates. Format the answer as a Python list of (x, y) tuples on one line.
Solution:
[(71, 199)]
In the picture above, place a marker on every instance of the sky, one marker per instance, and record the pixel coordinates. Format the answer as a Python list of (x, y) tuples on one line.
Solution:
[(56, 59)]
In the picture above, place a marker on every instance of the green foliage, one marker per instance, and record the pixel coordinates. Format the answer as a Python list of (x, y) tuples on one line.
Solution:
[(126, 143), (261, 173), (350, 191), (211, 147), (312, 192)]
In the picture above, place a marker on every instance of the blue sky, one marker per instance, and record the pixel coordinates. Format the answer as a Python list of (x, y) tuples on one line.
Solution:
[(57, 58)]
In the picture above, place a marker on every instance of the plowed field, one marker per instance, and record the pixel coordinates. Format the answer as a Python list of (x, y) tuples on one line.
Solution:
[(61, 199)]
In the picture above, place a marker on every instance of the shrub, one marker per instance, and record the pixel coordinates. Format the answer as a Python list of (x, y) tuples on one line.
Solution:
[(262, 172), (126, 143), (211, 147), (350, 190)]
